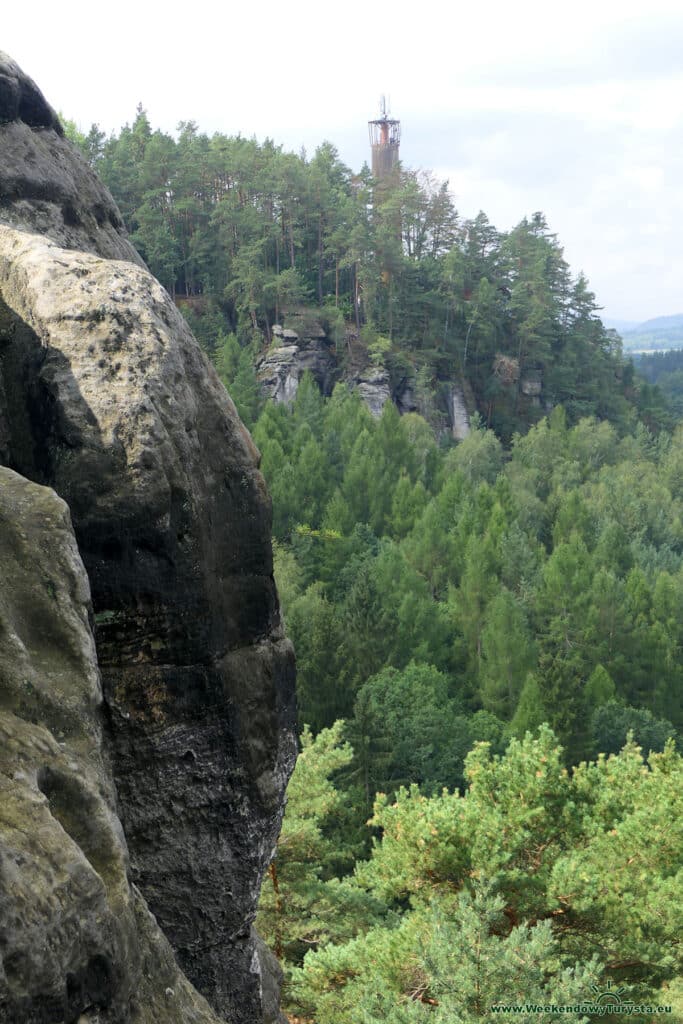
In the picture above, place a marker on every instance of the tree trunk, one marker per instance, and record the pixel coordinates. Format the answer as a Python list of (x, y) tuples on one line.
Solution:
[(320, 260), (291, 243)]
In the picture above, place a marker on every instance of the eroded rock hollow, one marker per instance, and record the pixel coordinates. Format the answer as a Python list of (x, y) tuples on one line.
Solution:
[(106, 398)]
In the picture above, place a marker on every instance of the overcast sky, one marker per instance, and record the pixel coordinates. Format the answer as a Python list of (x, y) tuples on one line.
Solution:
[(575, 110)]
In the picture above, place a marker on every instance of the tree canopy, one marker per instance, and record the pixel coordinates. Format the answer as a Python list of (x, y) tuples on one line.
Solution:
[(240, 231)]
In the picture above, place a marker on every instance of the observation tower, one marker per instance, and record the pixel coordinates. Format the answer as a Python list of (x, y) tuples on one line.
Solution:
[(385, 136)]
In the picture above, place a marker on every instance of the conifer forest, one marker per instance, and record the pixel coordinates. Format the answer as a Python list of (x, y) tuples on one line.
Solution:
[(487, 808)]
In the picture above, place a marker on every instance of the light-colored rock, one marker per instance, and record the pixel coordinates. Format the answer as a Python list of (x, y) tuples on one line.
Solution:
[(375, 391), (122, 414), (460, 421), (284, 364), (531, 387), (279, 372), (303, 324)]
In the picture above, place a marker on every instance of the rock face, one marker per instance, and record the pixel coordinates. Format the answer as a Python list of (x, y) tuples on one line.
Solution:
[(457, 412), (293, 352), (77, 942), (45, 184), (106, 397), (405, 398), (374, 388)]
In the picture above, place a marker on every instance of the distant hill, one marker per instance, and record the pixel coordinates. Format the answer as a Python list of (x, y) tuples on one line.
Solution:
[(664, 332), (620, 325)]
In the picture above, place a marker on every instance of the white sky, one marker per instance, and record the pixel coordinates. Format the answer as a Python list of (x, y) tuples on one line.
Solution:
[(575, 109)]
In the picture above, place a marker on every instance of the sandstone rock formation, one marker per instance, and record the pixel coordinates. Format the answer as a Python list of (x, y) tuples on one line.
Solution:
[(45, 184), (106, 397), (77, 942), (374, 388), (457, 412), (295, 350), (303, 346)]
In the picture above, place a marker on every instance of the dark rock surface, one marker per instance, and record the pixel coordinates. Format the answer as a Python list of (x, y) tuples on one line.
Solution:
[(105, 396), (46, 186), (22, 100), (77, 942)]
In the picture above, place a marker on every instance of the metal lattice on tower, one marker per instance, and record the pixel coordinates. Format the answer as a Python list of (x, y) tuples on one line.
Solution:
[(385, 137)]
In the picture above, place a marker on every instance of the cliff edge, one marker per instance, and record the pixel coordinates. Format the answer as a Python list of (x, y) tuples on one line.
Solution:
[(106, 398)]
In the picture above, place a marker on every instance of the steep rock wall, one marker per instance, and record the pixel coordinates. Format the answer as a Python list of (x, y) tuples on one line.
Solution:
[(295, 351), (105, 396), (303, 347), (77, 942)]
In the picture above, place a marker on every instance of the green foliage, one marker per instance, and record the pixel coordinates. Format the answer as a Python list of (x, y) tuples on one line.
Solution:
[(542, 584), (378, 348), (230, 224), (508, 654), (665, 370), (407, 728), (613, 723), (479, 457), (446, 963), (235, 366), (301, 907), (533, 886), (90, 145)]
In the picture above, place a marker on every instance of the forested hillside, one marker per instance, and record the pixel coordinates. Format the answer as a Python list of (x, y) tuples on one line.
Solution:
[(660, 334), (665, 371), (440, 599), (471, 621), (540, 585), (242, 232)]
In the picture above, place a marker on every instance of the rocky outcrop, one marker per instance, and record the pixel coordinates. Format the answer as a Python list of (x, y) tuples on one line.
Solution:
[(293, 353), (106, 397), (45, 184), (77, 942), (531, 387), (279, 372), (527, 384), (457, 412), (405, 396), (375, 390)]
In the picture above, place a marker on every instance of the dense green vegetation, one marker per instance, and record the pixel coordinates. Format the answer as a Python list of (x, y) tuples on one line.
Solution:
[(537, 585), (241, 232), (437, 598), (470, 621), (535, 885), (665, 371)]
